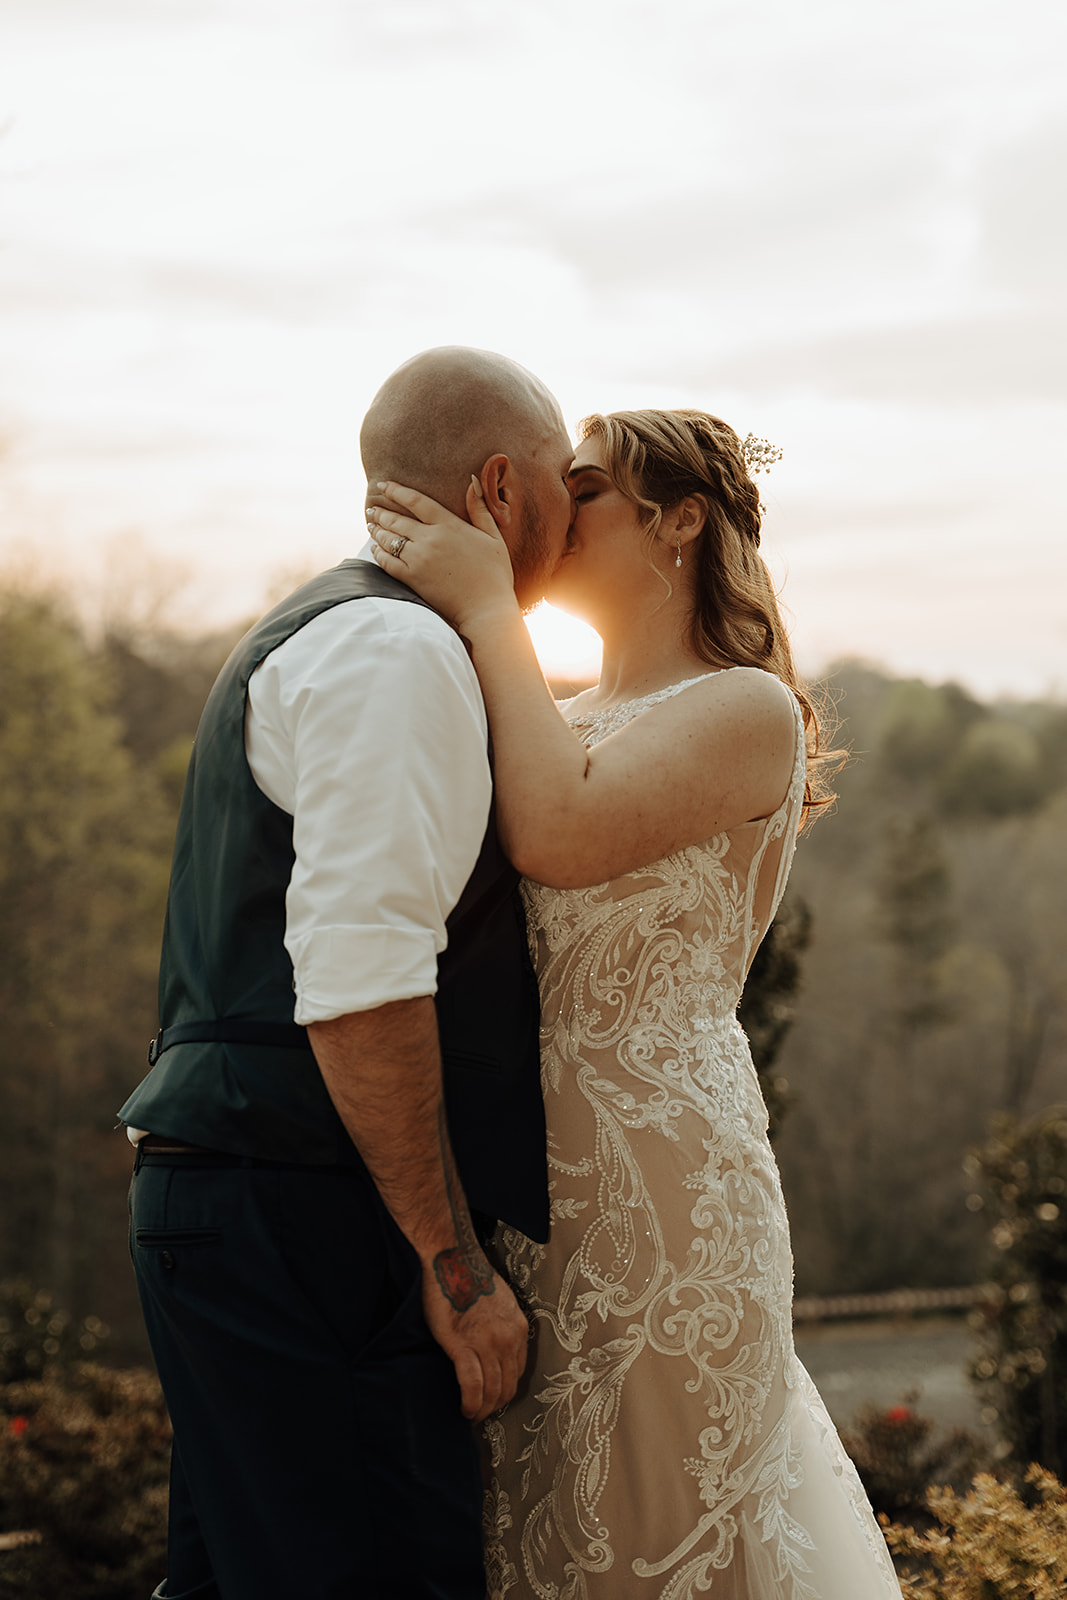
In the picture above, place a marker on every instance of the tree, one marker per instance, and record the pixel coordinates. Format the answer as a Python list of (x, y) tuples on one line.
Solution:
[(921, 727), (84, 847), (996, 771), (915, 918), (935, 990), (1013, 885), (768, 1003)]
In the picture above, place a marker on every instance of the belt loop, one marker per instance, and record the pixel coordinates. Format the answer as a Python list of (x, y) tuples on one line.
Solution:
[(137, 1157)]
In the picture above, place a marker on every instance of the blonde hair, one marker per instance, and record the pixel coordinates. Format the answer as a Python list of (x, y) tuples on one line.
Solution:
[(659, 458)]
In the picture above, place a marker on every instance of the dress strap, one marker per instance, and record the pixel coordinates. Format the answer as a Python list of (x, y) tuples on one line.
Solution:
[(793, 801)]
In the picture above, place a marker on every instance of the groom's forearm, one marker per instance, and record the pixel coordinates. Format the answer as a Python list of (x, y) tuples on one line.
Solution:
[(382, 1070)]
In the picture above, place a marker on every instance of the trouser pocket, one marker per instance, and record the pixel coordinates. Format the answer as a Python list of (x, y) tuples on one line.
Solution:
[(158, 1238)]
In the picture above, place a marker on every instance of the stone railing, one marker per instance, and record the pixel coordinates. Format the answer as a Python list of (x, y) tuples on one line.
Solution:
[(896, 1303)]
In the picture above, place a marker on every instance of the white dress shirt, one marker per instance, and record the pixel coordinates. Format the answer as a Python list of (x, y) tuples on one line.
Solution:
[(368, 727)]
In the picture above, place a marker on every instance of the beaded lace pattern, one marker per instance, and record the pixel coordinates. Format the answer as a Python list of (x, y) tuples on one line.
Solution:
[(666, 1442)]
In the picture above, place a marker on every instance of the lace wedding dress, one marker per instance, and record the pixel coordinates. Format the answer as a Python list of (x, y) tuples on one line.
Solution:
[(666, 1442)]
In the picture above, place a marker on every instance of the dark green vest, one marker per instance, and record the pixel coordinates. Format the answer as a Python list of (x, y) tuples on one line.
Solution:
[(225, 971)]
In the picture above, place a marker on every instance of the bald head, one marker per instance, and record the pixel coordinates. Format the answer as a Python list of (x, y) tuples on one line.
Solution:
[(441, 415)]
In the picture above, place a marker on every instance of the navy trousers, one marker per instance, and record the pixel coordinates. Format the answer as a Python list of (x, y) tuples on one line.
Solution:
[(319, 1448)]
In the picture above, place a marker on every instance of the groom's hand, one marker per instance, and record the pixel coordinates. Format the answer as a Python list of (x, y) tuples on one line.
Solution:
[(476, 1320)]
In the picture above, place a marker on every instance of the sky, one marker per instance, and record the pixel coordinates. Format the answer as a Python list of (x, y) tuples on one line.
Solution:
[(839, 225)]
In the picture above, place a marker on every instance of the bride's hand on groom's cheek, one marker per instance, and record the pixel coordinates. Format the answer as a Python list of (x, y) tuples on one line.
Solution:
[(462, 568)]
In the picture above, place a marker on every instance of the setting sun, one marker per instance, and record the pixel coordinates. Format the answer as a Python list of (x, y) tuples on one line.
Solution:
[(566, 648)]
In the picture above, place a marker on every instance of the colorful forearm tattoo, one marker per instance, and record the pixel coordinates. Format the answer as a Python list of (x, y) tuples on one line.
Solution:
[(464, 1276), (462, 1272)]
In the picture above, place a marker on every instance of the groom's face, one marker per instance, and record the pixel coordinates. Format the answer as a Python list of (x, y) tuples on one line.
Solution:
[(545, 513)]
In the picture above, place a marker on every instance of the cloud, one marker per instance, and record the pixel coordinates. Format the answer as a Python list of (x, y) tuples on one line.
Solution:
[(225, 220), (299, 297), (1024, 233), (974, 361), (140, 13), (820, 213), (814, 517)]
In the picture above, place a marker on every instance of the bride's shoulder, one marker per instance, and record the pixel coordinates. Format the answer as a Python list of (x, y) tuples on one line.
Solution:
[(744, 689), (740, 713)]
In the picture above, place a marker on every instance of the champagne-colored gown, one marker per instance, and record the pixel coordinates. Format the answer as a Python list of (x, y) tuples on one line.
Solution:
[(666, 1442)]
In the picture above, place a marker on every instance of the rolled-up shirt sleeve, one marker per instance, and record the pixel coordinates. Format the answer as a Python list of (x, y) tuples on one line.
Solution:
[(368, 727)]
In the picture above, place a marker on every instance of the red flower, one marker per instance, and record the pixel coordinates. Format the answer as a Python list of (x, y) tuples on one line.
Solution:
[(898, 1414), (17, 1426)]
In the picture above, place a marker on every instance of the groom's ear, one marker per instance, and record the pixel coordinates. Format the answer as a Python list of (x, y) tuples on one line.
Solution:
[(497, 479)]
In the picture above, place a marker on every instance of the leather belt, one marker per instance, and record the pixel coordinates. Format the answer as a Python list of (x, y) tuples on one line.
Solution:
[(159, 1144)]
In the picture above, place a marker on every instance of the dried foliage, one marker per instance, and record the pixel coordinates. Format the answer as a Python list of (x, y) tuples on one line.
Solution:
[(84, 1465), (84, 1460), (991, 1544)]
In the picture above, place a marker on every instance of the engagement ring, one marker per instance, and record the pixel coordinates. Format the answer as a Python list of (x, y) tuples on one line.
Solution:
[(398, 543)]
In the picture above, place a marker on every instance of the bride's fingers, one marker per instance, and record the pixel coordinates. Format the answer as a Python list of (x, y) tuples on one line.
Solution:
[(430, 512), (386, 559), (417, 505), (381, 549), (393, 522), (385, 532), (477, 510)]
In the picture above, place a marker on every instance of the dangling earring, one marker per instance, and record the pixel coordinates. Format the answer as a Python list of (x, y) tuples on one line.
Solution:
[(678, 557)]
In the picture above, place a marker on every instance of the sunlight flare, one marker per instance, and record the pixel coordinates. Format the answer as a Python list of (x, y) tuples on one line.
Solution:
[(566, 648)]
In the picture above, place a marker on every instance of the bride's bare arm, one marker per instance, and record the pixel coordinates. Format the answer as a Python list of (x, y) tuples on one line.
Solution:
[(716, 755)]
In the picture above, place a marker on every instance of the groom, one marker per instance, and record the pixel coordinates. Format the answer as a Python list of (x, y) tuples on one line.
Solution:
[(345, 1092)]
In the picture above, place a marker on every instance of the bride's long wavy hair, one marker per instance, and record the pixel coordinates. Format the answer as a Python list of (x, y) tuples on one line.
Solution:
[(659, 458)]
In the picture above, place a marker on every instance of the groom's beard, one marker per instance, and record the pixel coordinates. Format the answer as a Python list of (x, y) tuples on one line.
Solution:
[(531, 559)]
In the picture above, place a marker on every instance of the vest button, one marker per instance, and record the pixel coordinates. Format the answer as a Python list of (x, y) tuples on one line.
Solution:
[(166, 1261)]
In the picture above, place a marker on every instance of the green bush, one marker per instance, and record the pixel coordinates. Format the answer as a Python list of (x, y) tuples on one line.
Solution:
[(84, 1464), (1021, 1365), (991, 1544)]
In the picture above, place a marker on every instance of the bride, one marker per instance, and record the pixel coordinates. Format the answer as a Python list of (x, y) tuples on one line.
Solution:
[(666, 1441)]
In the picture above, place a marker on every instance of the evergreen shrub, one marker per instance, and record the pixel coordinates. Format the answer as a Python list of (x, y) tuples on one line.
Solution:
[(898, 1460), (1021, 1364)]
